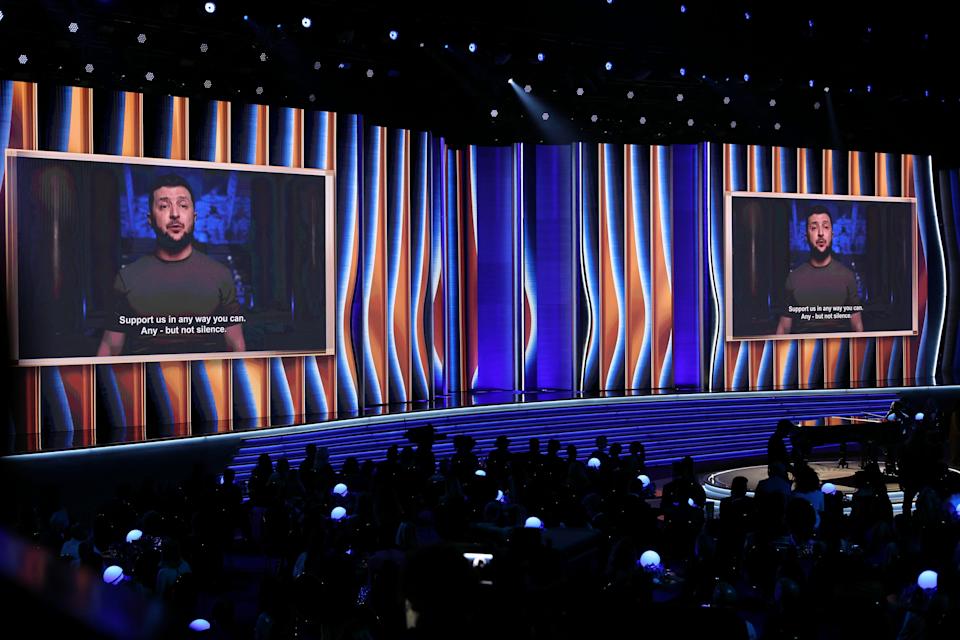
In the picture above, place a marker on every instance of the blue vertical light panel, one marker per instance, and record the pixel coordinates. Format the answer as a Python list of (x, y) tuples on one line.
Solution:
[(554, 265), (496, 234)]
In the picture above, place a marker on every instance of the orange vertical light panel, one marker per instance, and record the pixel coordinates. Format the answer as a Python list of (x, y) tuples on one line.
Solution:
[(401, 309), (23, 125), (176, 374), (79, 384), (258, 373), (661, 272), (377, 304), (80, 137), (636, 311), (180, 145), (609, 306), (220, 376), (133, 125), (294, 372), (222, 145)]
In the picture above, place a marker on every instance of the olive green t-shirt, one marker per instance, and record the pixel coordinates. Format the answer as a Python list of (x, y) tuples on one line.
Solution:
[(829, 286), (197, 287)]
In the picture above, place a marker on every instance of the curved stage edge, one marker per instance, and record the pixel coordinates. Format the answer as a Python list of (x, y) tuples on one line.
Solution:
[(717, 484)]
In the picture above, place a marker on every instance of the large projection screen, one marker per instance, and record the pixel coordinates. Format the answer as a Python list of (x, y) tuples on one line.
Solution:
[(819, 266), (116, 259)]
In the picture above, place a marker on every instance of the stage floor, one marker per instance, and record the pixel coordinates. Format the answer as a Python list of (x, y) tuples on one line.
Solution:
[(717, 484)]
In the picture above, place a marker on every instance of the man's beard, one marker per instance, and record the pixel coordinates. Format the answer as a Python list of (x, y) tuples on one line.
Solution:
[(171, 245), (819, 256)]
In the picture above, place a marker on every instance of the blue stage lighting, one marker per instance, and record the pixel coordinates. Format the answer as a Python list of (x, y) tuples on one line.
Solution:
[(480, 473), (919, 417), (199, 625), (810, 23), (869, 88), (746, 77), (608, 66), (650, 559), (533, 522), (394, 35), (927, 579), (593, 463), (683, 71), (891, 417), (683, 8), (540, 57), (746, 15), (306, 22), (113, 575), (644, 480), (500, 496), (828, 488), (811, 84), (340, 489), (472, 47), (134, 535), (246, 17), (210, 7), (494, 113), (338, 513)]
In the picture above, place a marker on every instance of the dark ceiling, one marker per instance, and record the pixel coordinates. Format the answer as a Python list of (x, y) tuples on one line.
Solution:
[(891, 73)]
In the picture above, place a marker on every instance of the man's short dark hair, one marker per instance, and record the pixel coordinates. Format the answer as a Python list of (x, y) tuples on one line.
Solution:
[(170, 180), (818, 208)]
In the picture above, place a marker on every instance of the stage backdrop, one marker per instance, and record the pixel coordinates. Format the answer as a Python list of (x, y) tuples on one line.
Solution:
[(576, 268)]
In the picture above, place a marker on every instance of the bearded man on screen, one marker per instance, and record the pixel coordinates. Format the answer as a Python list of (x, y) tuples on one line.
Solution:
[(175, 281), (822, 281)]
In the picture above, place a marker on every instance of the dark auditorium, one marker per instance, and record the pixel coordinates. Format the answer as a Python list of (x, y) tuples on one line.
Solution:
[(372, 320)]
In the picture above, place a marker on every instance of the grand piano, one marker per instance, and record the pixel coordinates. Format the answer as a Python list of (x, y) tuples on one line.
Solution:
[(874, 434)]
